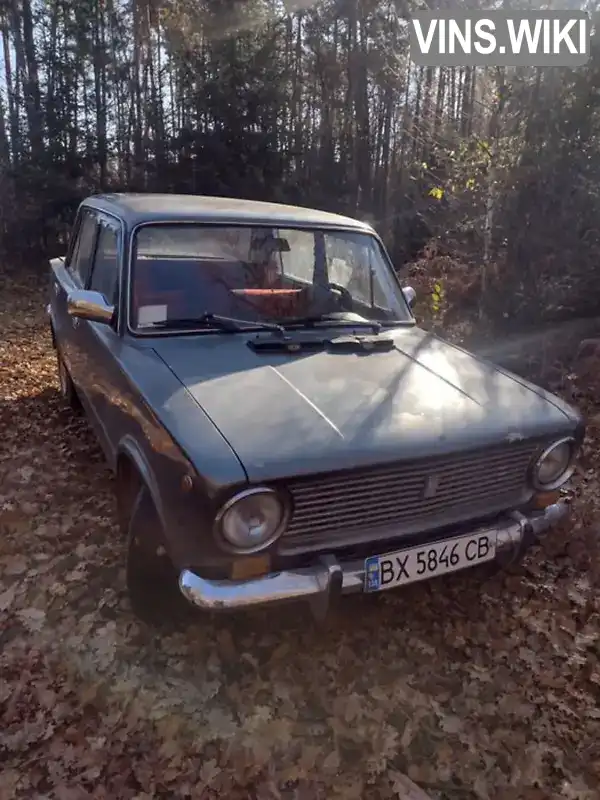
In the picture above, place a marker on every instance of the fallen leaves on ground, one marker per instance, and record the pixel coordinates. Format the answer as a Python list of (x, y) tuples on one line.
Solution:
[(471, 690)]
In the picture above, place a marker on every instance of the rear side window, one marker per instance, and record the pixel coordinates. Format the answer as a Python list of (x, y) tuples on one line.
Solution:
[(105, 271), (83, 248)]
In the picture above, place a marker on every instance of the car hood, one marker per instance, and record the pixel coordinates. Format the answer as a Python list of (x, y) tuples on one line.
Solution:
[(310, 412)]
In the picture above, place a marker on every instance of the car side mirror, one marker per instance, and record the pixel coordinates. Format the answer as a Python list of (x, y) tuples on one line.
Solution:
[(409, 295), (90, 305)]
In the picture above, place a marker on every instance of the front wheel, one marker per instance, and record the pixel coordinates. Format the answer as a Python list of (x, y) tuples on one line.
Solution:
[(150, 575)]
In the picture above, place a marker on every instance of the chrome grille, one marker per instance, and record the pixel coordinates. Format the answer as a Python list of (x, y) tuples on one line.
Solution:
[(390, 500)]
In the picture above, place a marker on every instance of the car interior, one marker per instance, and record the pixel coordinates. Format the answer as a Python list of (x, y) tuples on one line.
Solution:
[(188, 287)]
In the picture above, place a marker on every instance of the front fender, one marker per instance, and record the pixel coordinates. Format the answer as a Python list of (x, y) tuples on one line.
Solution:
[(129, 447), (185, 512), (169, 438)]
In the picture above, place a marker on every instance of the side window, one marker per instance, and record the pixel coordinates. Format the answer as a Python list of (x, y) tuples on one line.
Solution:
[(105, 270), (83, 247)]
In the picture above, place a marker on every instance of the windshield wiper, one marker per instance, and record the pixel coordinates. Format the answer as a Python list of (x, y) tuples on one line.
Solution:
[(335, 317), (217, 321)]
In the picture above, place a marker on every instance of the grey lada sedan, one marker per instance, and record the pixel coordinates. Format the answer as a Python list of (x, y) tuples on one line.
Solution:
[(279, 427)]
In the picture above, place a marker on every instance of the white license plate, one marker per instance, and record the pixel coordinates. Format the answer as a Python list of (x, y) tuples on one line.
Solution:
[(428, 561)]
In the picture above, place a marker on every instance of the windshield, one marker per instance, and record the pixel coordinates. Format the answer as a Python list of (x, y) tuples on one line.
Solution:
[(260, 274)]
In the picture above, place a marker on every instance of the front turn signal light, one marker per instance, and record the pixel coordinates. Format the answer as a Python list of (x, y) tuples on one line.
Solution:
[(545, 499)]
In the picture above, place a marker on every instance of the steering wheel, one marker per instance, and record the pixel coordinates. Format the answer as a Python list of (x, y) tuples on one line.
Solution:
[(346, 301)]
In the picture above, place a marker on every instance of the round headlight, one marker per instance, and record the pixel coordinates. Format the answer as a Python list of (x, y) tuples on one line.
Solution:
[(555, 465), (251, 520)]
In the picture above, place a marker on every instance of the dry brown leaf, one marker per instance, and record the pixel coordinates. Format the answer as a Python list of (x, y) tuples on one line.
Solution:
[(406, 789), (209, 771)]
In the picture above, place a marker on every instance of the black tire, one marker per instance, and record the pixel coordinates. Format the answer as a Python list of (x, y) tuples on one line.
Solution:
[(150, 575), (66, 385)]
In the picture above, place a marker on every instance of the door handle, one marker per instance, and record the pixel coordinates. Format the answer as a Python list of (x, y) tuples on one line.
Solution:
[(56, 289), (75, 321)]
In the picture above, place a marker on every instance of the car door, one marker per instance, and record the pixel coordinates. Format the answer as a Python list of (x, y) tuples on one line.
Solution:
[(98, 344), (68, 276)]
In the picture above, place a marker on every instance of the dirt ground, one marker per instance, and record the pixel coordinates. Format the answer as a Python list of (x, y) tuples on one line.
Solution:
[(474, 690)]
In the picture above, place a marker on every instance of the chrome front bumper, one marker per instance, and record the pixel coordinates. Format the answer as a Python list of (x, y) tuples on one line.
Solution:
[(329, 578)]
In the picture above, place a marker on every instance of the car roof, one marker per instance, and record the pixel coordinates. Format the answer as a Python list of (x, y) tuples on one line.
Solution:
[(135, 208)]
